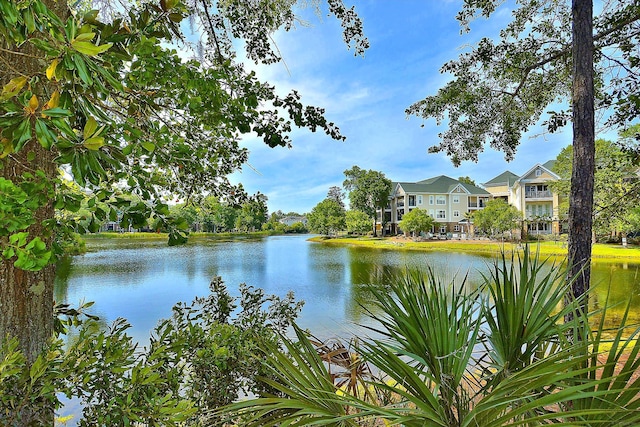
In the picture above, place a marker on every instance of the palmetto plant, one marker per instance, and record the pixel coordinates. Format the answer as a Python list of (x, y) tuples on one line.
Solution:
[(495, 356)]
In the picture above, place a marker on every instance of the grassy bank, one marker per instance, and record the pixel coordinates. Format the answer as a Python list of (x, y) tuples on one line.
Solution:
[(601, 252), (194, 236), (165, 236)]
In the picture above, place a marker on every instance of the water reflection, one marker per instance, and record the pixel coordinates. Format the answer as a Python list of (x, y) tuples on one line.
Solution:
[(142, 280), (621, 281)]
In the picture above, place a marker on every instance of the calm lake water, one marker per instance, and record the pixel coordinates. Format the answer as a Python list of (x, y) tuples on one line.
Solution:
[(142, 280)]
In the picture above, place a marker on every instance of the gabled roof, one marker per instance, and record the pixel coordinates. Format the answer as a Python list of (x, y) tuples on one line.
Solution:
[(542, 166), (509, 178), (505, 178), (439, 185)]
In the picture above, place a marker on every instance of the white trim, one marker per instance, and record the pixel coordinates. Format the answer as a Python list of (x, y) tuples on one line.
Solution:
[(530, 171), (461, 187)]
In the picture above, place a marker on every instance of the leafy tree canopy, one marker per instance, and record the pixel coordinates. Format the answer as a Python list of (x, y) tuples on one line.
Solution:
[(335, 193), (253, 213), (357, 222), (416, 221), (326, 217), (500, 88), (368, 190), (497, 217), (616, 186), (467, 180), (117, 108)]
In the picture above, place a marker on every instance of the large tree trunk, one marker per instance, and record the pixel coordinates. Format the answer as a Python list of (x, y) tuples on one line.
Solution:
[(581, 196), (26, 298)]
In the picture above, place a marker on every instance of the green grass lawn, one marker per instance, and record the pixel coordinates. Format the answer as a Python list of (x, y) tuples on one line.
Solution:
[(557, 249), (165, 236)]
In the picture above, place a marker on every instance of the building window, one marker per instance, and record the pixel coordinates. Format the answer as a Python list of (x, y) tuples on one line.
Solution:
[(441, 200), (412, 200), (443, 229), (456, 214), (441, 214), (432, 213), (538, 172), (456, 199), (456, 227), (419, 200), (430, 200)]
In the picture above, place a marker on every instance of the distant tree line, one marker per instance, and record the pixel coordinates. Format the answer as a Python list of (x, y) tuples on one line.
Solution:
[(209, 214), (213, 215)]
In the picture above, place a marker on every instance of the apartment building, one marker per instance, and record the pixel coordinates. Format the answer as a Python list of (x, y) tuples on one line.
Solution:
[(446, 199), (530, 194)]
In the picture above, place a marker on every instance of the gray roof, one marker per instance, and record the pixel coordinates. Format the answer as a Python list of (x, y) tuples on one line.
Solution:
[(509, 178), (505, 178), (439, 185)]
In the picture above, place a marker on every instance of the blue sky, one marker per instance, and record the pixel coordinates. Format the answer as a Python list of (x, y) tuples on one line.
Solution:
[(366, 97)]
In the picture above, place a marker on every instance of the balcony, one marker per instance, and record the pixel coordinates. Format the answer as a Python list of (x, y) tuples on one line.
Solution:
[(536, 194), (400, 204), (477, 205)]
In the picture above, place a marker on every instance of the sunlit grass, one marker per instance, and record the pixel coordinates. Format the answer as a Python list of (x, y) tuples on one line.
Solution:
[(165, 236), (492, 247)]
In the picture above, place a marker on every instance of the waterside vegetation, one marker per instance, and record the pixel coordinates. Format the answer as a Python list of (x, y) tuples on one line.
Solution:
[(601, 251), (505, 354)]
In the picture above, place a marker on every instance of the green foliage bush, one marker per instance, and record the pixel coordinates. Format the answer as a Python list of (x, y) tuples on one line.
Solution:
[(209, 353)]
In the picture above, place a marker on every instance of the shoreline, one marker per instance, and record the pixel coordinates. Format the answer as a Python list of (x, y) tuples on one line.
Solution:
[(601, 252)]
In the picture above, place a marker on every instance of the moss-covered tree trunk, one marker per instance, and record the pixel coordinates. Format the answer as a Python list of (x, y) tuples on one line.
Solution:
[(581, 196)]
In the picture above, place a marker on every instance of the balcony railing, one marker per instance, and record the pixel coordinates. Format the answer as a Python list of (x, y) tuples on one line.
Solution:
[(400, 204), (531, 194), (476, 204)]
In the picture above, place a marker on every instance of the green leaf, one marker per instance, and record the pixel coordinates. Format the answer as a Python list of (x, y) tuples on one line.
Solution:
[(83, 71), (149, 146), (177, 238), (94, 143), (94, 227), (45, 46), (84, 37), (90, 128), (9, 253), (29, 21), (114, 82), (57, 112), (22, 134), (9, 12), (45, 137), (19, 239), (90, 49)]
